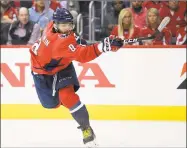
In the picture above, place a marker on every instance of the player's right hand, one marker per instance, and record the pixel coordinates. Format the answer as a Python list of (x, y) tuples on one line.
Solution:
[(111, 43), (116, 43)]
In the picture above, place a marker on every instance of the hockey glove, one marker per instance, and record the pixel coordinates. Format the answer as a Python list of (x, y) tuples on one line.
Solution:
[(110, 44)]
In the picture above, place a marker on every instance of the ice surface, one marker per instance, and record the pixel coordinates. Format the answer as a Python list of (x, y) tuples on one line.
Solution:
[(64, 133)]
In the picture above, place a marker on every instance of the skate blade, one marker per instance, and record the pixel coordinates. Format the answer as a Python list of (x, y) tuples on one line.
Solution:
[(92, 144)]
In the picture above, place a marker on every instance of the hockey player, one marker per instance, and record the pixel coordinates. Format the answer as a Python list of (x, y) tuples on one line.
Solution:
[(54, 74)]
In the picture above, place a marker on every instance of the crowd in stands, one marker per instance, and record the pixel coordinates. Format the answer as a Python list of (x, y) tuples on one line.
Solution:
[(23, 22)]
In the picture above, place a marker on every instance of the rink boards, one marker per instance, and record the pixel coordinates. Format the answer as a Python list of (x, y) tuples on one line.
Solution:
[(131, 84)]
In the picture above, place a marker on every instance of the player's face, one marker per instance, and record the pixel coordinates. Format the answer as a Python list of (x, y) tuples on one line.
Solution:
[(127, 19), (65, 27), (152, 18)]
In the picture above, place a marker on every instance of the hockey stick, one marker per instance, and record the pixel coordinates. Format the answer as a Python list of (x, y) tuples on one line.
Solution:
[(163, 24)]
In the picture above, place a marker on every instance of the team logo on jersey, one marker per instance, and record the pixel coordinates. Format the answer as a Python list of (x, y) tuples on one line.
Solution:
[(177, 26), (178, 18), (72, 47)]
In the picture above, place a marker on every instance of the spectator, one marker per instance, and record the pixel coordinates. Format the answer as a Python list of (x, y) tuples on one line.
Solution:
[(175, 11), (23, 31), (4, 31), (20, 3), (181, 33), (70, 5), (111, 19), (139, 13), (154, 4), (54, 4), (41, 13), (126, 28), (127, 3), (73, 6), (9, 14), (63, 4), (153, 21), (74, 14)]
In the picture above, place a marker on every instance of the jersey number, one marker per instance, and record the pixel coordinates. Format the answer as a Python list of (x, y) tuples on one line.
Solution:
[(72, 48), (36, 46)]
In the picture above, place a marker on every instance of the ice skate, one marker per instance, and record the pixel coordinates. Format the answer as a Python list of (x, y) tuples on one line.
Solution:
[(89, 138)]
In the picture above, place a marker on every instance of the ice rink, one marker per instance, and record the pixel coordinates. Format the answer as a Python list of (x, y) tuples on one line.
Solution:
[(63, 133)]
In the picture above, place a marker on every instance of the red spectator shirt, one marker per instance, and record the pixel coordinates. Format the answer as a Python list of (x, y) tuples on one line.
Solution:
[(17, 3), (11, 13), (152, 4), (140, 18), (181, 36), (54, 52), (54, 5), (163, 39), (126, 32), (177, 19)]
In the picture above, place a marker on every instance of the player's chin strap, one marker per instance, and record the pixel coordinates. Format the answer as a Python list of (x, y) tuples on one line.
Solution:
[(56, 28)]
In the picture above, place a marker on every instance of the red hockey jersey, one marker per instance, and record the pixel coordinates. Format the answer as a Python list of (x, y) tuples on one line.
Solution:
[(163, 39), (181, 36), (177, 18), (54, 52), (154, 4), (126, 32)]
